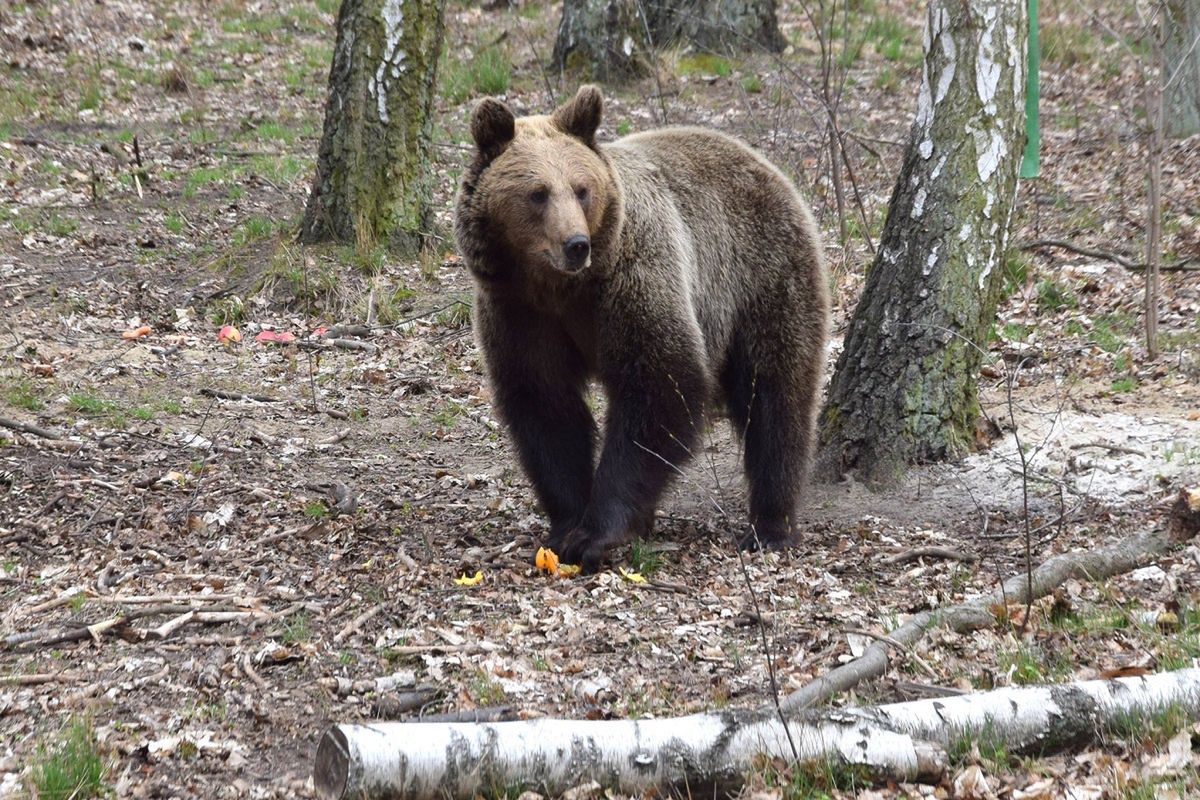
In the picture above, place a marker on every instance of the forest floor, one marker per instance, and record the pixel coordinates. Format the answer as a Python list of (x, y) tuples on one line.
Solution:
[(317, 502)]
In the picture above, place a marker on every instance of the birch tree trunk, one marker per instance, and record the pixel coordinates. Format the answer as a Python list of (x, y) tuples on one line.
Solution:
[(904, 389), (705, 755), (1182, 52), (615, 40), (373, 181)]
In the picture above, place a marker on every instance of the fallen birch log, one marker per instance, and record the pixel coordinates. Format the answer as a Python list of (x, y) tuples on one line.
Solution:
[(1086, 565), (696, 754)]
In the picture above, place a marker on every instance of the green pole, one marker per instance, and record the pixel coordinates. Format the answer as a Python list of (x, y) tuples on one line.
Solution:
[(1029, 164)]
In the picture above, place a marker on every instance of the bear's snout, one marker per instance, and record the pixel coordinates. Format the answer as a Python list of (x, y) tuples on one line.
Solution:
[(575, 252)]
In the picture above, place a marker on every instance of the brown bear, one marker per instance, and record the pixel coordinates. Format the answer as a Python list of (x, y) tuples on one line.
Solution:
[(677, 267)]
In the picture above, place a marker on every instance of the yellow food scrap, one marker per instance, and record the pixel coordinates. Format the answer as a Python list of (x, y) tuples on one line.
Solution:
[(470, 581), (631, 576), (570, 570)]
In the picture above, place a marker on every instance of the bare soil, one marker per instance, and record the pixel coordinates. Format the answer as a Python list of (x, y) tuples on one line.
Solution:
[(325, 499)]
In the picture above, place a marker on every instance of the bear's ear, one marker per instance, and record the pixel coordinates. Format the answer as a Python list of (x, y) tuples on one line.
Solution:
[(581, 115), (492, 126)]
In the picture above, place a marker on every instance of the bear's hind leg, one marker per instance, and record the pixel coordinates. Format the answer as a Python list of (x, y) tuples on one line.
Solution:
[(772, 396)]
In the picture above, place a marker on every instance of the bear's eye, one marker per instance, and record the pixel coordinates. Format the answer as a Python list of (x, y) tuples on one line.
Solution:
[(582, 194), (539, 196)]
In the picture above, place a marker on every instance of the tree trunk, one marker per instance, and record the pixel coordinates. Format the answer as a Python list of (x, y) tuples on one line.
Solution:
[(904, 389), (373, 180), (1182, 52), (614, 40)]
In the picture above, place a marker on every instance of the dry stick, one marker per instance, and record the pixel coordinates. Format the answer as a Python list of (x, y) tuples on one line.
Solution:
[(1154, 155), (931, 551), (1012, 418), (25, 427), (1092, 565), (1184, 265), (37, 678), (355, 624)]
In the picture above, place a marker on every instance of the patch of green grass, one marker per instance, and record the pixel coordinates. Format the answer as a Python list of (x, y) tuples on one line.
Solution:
[(227, 311), (1065, 44), (1023, 665), (21, 393), (817, 779), (484, 690), (488, 73), (173, 223), (1053, 296), (279, 170), (1016, 271), (253, 229), (1126, 384), (202, 136), (886, 79), (705, 64), (1111, 332), (201, 177), (752, 84), (445, 415), (90, 99), (143, 413), (316, 509), (457, 315), (987, 747), (296, 629), (1150, 730), (264, 25), (71, 768), (90, 404), (60, 225), (274, 131), (643, 558), (624, 127), (1015, 331)]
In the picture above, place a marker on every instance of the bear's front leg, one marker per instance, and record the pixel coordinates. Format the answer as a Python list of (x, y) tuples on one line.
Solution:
[(657, 391), (538, 380)]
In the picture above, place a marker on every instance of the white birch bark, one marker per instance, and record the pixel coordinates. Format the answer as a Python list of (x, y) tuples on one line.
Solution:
[(697, 753)]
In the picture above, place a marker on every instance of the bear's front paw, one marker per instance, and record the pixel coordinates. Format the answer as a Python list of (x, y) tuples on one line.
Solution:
[(769, 537), (582, 549)]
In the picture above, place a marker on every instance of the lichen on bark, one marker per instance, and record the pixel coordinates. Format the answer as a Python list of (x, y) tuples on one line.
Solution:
[(373, 181), (904, 389)]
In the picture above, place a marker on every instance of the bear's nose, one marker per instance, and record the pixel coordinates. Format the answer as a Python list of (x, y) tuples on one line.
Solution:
[(576, 250)]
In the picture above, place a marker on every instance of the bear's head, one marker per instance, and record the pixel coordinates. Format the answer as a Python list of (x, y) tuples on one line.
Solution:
[(540, 196)]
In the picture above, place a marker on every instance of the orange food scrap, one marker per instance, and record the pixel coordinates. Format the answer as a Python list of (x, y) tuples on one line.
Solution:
[(546, 560), (470, 581), (136, 333)]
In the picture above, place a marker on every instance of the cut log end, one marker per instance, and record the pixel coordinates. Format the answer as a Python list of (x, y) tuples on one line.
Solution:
[(332, 768)]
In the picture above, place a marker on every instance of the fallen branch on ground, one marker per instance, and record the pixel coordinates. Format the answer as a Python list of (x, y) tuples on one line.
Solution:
[(1185, 265), (33, 430), (704, 753), (1123, 556), (929, 552)]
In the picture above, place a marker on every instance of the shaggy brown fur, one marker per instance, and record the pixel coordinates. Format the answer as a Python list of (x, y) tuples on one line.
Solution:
[(680, 269)]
